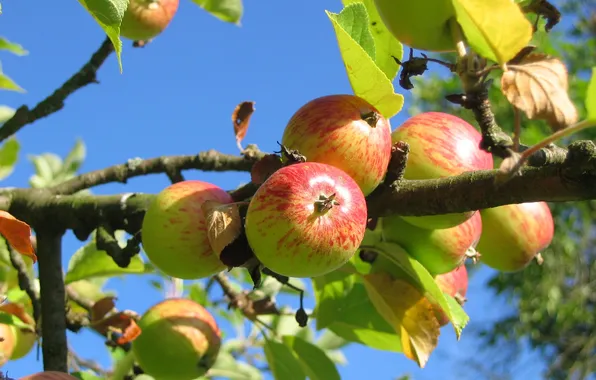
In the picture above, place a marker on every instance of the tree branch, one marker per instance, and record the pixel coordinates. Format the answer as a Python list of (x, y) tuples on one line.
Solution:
[(53, 300), (55, 102), (26, 284)]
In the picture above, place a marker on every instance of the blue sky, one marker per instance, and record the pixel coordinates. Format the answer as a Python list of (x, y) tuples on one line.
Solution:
[(176, 97)]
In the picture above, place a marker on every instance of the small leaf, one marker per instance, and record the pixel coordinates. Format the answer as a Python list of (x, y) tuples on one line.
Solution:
[(102, 307), (223, 223), (315, 362), (9, 154), (538, 86), (89, 262), (8, 84), (241, 119), (591, 97), (368, 81), (17, 234), (122, 322), (108, 14), (12, 47), (264, 168), (386, 45), (496, 29), (408, 311), (6, 113), (75, 158), (331, 341), (226, 10), (282, 362)]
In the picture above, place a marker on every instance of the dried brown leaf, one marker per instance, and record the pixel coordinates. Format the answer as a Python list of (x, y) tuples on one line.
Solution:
[(241, 119), (102, 307), (224, 223), (263, 168), (122, 322), (538, 86)]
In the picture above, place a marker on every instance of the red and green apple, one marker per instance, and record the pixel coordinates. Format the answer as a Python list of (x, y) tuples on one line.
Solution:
[(146, 19)]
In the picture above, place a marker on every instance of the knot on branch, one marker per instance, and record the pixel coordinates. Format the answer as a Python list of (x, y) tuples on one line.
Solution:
[(105, 240)]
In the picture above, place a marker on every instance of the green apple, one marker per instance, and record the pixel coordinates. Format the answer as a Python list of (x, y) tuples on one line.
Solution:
[(145, 19)]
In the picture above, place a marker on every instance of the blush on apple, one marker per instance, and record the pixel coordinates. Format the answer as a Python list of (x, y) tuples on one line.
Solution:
[(145, 19), (306, 220), (174, 231), (439, 251), (441, 145), (179, 339), (514, 234), (455, 284), (344, 131)]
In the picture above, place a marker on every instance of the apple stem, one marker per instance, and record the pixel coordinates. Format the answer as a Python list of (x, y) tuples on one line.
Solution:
[(324, 203), (371, 118)]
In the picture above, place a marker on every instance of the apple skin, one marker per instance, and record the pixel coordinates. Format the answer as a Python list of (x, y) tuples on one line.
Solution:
[(8, 344), (514, 234), (49, 375), (454, 283), (179, 340), (287, 232), (174, 231), (145, 19), (332, 130), (439, 251), (441, 145), (422, 25)]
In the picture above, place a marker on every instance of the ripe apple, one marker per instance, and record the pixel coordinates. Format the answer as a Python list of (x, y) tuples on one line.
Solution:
[(174, 232), (179, 339), (24, 338), (145, 19), (422, 25), (454, 283), (514, 234), (441, 145), (49, 375), (439, 251), (344, 131), (306, 220), (8, 343)]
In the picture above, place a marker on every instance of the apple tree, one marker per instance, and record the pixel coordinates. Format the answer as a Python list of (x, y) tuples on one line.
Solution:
[(382, 222)]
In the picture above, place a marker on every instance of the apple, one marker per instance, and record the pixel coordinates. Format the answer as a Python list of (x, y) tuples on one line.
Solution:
[(514, 234), (455, 284), (306, 220), (441, 145), (7, 344), (344, 131), (49, 375), (145, 19), (174, 231), (439, 251), (179, 339), (24, 338), (422, 25)]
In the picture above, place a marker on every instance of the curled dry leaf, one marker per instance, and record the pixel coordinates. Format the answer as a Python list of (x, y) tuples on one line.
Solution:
[(538, 85), (18, 234), (408, 311), (224, 223), (102, 307), (122, 323), (241, 119), (263, 168)]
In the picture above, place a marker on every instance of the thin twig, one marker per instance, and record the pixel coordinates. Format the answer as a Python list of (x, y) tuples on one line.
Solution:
[(77, 363), (55, 102), (26, 284)]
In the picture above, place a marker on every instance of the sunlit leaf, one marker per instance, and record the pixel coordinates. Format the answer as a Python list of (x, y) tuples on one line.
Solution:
[(9, 154), (12, 47), (591, 97), (8, 84), (226, 10), (315, 363), (282, 362), (18, 235), (6, 113)]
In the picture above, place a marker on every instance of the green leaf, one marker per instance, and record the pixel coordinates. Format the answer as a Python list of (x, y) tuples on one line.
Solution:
[(368, 81), (344, 308), (421, 278), (8, 84), (315, 362), (9, 154), (108, 14), (497, 29), (75, 158), (12, 47), (283, 363), (12, 320), (331, 341), (88, 262), (6, 113), (226, 10), (591, 97), (386, 45), (198, 294), (354, 21), (226, 366)]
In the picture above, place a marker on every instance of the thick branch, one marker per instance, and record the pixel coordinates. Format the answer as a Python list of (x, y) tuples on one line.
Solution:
[(55, 102), (53, 300), (206, 161)]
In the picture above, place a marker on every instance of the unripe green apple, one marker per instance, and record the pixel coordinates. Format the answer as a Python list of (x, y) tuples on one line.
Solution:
[(422, 24), (179, 340), (344, 131), (514, 234), (306, 220), (439, 251), (49, 375), (24, 338), (455, 284), (174, 230), (145, 19), (441, 145)]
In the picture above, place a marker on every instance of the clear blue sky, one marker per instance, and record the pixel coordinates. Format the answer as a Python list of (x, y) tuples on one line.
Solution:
[(176, 97)]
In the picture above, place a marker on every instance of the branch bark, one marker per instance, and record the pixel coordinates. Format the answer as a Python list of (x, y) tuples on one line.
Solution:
[(55, 102), (53, 300)]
